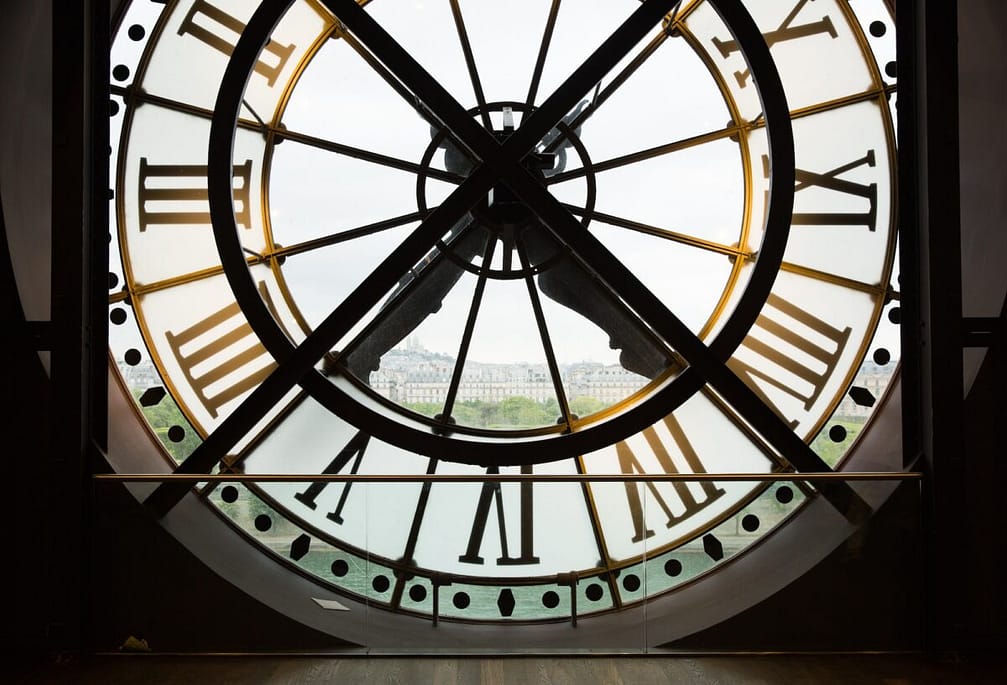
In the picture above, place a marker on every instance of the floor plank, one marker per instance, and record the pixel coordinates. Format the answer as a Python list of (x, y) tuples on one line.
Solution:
[(548, 670)]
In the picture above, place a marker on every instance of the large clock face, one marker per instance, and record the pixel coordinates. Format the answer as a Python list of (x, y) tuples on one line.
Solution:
[(513, 245)]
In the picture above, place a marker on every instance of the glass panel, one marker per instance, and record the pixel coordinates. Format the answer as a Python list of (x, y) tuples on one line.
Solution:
[(699, 437)]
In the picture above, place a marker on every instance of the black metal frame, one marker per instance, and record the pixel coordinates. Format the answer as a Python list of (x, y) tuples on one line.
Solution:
[(502, 162)]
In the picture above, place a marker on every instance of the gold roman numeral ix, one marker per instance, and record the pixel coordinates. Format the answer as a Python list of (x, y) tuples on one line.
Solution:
[(776, 364), (492, 493), (214, 21), (226, 352), (630, 464), (785, 32), (176, 194)]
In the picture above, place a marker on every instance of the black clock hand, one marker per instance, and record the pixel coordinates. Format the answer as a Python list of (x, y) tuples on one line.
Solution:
[(569, 283), (419, 294)]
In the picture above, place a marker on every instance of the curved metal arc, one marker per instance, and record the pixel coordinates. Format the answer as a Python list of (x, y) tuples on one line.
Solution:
[(293, 363), (297, 366)]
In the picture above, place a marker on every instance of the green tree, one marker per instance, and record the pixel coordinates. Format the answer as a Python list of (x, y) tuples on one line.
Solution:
[(585, 405), (166, 420)]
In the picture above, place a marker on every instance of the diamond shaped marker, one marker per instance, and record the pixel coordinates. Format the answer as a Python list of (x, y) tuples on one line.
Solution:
[(505, 602), (862, 396), (299, 547), (152, 396)]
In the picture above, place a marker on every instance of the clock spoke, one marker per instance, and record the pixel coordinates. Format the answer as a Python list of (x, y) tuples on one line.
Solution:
[(673, 236), (543, 331), (875, 289), (735, 419), (605, 93), (343, 236), (729, 131), (470, 63), (283, 133), (367, 155), (419, 294), (293, 365), (466, 341), (642, 155), (543, 51)]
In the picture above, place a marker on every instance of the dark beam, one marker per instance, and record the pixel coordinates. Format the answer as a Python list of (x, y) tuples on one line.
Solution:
[(932, 337)]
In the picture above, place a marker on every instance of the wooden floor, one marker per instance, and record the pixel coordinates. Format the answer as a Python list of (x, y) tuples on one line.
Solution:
[(555, 670)]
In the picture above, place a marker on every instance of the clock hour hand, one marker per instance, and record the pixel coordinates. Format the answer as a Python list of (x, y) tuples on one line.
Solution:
[(419, 294), (570, 284)]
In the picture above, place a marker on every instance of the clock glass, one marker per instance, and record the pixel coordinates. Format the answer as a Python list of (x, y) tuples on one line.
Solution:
[(458, 255)]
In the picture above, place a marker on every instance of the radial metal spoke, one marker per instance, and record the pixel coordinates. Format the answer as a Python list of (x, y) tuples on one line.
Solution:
[(343, 236), (302, 359), (665, 234), (543, 331), (466, 341), (470, 63), (610, 89), (649, 153), (368, 155), (408, 287), (543, 51), (719, 134), (281, 132)]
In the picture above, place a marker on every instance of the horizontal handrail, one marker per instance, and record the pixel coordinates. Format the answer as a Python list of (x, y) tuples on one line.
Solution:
[(503, 478)]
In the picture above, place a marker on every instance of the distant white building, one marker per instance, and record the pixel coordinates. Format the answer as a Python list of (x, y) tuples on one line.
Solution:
[(413, 375)]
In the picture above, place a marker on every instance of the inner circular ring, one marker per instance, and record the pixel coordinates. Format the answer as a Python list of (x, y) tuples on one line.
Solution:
[(475, 447), (510, 217)]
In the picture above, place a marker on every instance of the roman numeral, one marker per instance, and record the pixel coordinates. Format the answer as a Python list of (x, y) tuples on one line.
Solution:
[(213, 22), (802, 381), (830, 180), (224, 358), (786, 31), (354, 450), (176, 194), (629, 464), (491, 493)]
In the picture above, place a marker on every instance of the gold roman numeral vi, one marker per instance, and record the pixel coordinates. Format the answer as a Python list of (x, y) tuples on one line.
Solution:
[(492, 493)]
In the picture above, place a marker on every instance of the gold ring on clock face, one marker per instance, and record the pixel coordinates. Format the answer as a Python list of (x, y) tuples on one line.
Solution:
[(500, 252)]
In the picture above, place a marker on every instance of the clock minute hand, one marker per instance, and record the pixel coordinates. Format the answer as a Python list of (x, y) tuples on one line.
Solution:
[(419, 294)]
